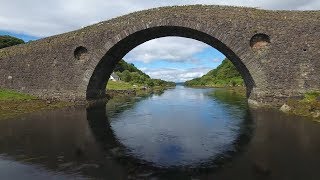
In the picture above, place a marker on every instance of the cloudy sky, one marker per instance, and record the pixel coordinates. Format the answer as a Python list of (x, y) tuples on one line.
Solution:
[(176, 59)]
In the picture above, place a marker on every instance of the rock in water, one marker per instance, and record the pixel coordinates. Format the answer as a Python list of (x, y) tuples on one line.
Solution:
[(285, 108)]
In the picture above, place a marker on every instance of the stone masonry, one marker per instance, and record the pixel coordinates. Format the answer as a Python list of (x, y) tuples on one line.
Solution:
[(277, 52)]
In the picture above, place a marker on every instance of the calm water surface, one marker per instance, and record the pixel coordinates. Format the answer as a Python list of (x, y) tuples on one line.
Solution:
[(183, 133)]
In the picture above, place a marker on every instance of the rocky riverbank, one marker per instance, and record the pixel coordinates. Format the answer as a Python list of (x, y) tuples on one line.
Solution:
[(13, 108), (13, 103), (308, 106)]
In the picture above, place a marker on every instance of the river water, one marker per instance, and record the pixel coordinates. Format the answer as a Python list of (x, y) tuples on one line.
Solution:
[(183, 133)]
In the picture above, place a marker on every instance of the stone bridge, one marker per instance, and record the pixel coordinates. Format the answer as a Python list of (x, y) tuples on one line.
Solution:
[(276, 52)]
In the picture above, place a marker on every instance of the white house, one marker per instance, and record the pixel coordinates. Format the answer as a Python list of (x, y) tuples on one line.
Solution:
[(114, 77)]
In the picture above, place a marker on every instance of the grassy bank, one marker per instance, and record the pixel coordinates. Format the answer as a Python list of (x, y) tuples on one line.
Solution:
[(121, 85), (13, 103), (9, 95), (308, 106)]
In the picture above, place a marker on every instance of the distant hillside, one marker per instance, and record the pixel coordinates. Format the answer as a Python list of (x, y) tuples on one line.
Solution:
[(225, 74), (7, 41), (122, 66), (129, 73)]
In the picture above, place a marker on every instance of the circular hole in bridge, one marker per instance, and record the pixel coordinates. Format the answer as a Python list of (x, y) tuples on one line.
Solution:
[(79, 52), (259, 41)]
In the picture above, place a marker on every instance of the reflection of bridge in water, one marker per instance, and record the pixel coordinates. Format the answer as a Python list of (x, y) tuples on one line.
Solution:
[(81, 141), (100, 125)]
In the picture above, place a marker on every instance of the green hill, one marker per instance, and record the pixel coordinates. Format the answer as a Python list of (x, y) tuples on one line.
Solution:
[(122, 66), (224, 75), (7, 41), (130, 74)]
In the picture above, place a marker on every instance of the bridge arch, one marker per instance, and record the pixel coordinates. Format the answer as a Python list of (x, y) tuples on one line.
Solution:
[(96, 88)]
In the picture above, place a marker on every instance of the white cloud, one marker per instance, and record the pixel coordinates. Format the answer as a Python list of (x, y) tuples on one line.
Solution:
[(44, 18), (290, 4), (173, 49), (176, 75)]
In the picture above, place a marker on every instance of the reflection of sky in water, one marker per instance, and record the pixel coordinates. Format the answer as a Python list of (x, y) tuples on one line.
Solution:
[(181, 127)]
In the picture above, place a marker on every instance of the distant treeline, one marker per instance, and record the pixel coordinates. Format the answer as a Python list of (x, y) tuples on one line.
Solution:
[(224, 75), (129, 73)]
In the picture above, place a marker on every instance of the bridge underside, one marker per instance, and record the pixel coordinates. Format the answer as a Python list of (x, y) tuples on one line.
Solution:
[(276, 52)]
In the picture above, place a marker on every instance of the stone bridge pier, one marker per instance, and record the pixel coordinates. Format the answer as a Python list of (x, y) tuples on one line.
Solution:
[(276, 52)]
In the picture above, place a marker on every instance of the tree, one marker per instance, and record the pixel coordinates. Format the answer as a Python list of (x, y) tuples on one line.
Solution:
[(7, 41), (131, 74), (150, 83)]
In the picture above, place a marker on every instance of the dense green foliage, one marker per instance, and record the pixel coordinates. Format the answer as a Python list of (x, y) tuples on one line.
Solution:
[(130, 74), (7, 41), (225, 74), (122, 66)]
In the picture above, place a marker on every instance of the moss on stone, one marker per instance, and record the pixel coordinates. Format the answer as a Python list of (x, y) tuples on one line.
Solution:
[(311, 96), (9, 95), (308, 106)]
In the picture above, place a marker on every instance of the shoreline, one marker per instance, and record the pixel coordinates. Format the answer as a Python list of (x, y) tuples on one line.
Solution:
[(111, 93), (20, 104), (308, 106), (14, 104), (304, 107), (13, 108)]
